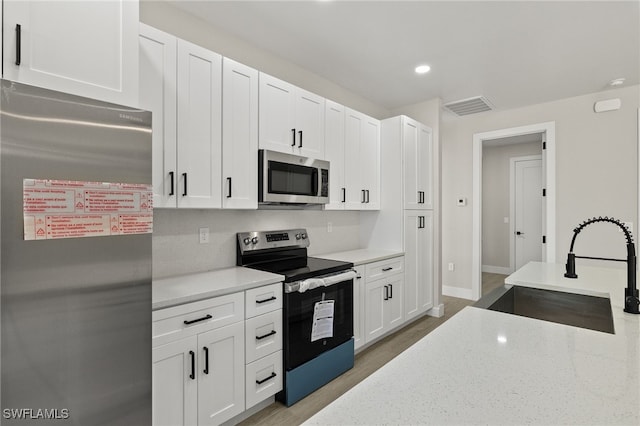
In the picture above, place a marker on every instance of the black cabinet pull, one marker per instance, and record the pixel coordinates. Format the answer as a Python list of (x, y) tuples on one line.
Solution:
[(344, 195), (193, 365), (386, 292), (198, 320), (300, 141), (259, 382), (184, 176), (266, 300), (367, 196), (271, 333), (172, 183), (229, 187), (206, 360), (18, 44), (363, 196), (387, 269), (390, 291), (293, 134)]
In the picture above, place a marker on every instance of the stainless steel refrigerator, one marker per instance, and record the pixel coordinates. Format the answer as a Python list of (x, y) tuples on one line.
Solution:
[(75, 310)]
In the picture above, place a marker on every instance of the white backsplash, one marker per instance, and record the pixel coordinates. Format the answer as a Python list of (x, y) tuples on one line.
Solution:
[(176, 247)]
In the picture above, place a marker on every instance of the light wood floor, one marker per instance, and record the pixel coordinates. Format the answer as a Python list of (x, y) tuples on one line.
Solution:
[(367, 361)]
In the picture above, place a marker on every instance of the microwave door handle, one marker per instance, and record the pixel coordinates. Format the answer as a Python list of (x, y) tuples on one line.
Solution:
[(314, 181)]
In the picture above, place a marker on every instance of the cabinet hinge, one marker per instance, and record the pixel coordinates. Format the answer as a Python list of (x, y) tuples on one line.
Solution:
[(544, 239)]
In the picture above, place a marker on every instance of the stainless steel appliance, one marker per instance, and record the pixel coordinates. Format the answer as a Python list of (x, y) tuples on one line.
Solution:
[(317, 312), (291, 179), (75, 312)]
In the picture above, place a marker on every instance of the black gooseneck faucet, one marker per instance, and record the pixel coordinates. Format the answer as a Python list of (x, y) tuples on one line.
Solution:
[(631, 300)]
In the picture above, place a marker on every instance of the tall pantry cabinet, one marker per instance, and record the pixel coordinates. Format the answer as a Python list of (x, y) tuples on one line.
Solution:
[(406, 218)]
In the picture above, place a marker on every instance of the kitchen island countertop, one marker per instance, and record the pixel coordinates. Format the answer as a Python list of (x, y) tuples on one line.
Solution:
[(486, 367), (204, 285)]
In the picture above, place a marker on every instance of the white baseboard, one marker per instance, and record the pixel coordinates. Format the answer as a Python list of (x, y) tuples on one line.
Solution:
[(462, 293), (504, 270), (436, 311)]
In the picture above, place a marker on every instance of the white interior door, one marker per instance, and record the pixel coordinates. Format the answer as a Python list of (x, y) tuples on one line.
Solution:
[(528, 211)]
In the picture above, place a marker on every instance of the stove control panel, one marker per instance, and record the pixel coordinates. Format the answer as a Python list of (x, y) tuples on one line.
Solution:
[(263, 240)]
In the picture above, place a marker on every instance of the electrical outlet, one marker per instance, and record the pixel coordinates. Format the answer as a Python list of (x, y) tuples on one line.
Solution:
[(452, 266), (329, 226), (204, 235)]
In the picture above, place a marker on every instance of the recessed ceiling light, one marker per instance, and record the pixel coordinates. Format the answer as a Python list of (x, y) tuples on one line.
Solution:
[(422, 69), (617, 82)]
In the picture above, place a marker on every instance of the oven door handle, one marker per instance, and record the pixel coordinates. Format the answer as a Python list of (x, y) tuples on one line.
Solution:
[(311, 283)]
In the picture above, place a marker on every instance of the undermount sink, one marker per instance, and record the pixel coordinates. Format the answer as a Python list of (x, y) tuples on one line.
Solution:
[(577, 310)]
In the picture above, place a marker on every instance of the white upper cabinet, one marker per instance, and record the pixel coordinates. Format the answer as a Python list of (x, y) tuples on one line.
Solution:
[(335, 154), (158, 66), (417, 143), (86, 48), (239, 136), (291, 119), (362, 161), (199, 126)]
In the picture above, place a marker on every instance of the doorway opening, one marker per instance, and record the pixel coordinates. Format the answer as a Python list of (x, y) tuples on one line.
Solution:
[(499, 234)]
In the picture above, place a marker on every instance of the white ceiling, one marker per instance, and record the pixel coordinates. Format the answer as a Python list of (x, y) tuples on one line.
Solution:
[(514, 53)]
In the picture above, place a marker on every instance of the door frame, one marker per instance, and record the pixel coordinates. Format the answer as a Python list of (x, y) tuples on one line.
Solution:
[(549, 176), (512, 205)]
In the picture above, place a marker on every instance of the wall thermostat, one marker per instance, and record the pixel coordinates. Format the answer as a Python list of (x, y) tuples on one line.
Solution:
[(462, 201)]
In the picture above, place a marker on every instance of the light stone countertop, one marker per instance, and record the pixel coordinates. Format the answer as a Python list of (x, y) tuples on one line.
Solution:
[(486, 367), (361, 256), (182, 289)]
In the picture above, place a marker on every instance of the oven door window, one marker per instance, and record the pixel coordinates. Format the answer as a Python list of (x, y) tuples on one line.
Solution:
[(299, 308), (285, 178)]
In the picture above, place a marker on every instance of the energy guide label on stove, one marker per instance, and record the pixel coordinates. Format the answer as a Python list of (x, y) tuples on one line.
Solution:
[(322, 327), (54, 209)]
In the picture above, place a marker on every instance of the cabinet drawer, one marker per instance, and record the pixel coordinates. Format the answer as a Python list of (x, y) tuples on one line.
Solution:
[(192, 318), (263, 378), (384, 268), (263, 335), (265, 299)]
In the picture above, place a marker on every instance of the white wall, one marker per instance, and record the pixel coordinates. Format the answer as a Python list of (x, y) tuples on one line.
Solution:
[(496, 195), (596, 174), (176, 247)]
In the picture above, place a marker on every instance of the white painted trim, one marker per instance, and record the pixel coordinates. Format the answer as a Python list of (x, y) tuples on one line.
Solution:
[(505, 270), (436, 311), (462, 293), (549, 129), (638, 210), (512, 206)]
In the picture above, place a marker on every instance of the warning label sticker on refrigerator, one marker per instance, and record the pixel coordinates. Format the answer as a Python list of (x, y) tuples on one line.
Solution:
[(71, 209)]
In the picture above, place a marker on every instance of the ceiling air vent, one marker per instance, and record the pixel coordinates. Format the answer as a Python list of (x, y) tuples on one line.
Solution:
[(469, 106)]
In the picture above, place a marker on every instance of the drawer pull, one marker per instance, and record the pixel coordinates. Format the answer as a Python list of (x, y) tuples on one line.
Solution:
[(266, 300), (197, 320), (259, 382), (271, 333), (387, 269)]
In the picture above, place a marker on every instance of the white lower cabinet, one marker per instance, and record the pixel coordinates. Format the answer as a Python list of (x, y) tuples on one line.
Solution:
[(418, 241), (211, 362), (384, 297), (175, 394), (358, 307), (220, 374)]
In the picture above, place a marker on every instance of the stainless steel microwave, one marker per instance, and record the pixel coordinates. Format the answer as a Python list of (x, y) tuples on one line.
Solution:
[(291, 179)]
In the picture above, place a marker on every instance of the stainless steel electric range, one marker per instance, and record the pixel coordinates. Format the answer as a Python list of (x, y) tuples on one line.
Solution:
[(317, 308)]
